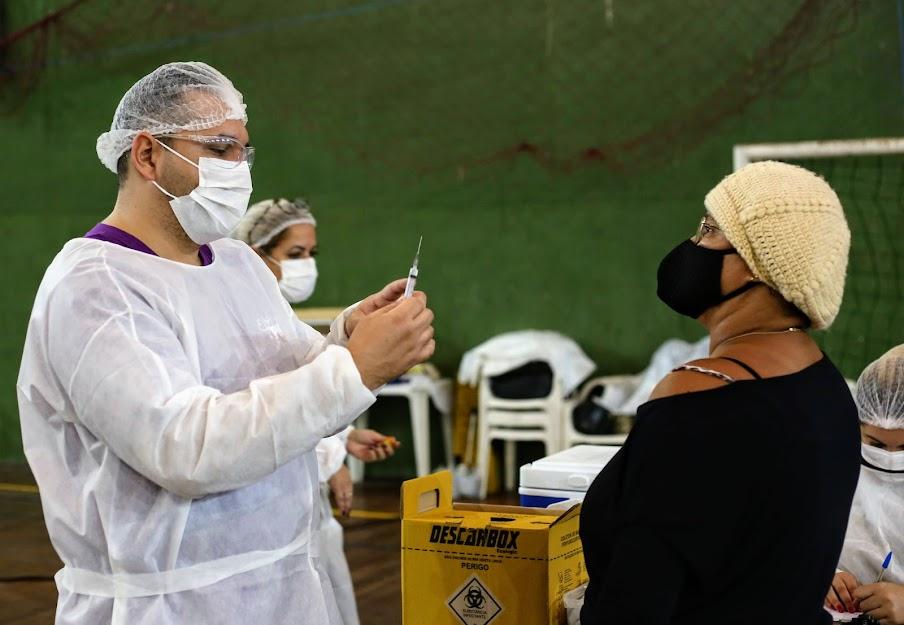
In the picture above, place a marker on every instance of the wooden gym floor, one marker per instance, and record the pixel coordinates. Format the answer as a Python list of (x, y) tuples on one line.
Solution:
[(28, 562)]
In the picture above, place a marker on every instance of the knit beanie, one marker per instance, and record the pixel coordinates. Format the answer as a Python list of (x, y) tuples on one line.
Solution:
[(788, 225)]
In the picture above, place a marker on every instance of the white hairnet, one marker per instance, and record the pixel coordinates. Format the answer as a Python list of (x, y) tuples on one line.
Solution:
[(268, 218), (880, 391), (174, 97)]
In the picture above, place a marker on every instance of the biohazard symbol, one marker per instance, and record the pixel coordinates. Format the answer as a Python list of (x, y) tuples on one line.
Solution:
[(474, 598), (474, 604)]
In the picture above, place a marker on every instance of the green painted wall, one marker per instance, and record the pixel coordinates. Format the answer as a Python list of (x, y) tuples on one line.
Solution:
[(384, 114)]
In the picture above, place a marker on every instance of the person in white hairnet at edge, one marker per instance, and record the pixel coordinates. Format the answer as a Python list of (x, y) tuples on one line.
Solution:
[(284, 235), (876, 523), (170, 401)]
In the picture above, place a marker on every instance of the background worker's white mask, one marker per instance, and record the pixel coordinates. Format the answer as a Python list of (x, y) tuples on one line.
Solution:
[(883, 459), (299, 277), (215, 207)]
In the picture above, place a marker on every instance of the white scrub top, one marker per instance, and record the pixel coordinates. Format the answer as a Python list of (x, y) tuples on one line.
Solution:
[(875, 527), (169, 414)]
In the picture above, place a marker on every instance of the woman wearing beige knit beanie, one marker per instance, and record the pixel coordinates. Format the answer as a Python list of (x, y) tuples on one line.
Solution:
[(729, 501)]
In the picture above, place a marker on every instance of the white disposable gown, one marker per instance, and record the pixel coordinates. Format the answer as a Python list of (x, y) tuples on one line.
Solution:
[(331, 453), (875, 527), (169, 414)]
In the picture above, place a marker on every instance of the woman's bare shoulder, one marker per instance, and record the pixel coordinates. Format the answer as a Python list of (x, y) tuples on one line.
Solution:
[(700, 375)]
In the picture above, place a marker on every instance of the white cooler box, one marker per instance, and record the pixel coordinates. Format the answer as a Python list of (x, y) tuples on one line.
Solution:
[(563, 475)]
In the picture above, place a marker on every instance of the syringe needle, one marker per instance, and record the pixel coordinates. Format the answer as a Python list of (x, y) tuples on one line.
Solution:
[(412, 273), (417, 255)]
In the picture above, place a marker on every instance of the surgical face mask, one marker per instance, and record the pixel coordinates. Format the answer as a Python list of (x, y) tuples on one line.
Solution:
[(299, 277), (690, 279), (882, 459), (215, 207)]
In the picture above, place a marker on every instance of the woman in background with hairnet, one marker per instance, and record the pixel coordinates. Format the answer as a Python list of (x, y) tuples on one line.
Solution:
[(284, 234), (876, 524)]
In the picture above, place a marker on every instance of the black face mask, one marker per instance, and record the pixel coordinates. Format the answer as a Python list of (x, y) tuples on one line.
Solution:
[(690, 279)]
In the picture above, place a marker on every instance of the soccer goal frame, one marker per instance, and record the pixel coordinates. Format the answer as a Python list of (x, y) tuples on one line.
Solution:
[(748, 153)]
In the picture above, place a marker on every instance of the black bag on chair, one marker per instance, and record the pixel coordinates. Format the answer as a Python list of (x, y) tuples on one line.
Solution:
[(529, 381), (590, 416)]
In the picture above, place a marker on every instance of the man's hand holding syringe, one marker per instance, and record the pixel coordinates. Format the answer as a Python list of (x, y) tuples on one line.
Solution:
[(391, 331)]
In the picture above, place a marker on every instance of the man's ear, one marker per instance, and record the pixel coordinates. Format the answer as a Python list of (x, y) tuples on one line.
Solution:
[(145, 156)]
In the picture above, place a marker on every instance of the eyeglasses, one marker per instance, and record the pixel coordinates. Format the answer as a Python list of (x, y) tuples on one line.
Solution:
[(707, 227), (226, 148)]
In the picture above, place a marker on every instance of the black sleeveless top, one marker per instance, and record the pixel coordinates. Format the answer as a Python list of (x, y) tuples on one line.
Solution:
[(725, 507)]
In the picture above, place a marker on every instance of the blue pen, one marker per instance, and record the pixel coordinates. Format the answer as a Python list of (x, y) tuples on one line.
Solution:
[(884, 567)]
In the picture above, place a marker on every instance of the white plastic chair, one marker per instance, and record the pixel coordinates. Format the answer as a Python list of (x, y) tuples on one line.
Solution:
[(418, 397), (623, 384), (512, 421)]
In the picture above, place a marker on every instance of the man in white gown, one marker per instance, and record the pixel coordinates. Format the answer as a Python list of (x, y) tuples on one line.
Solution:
[(170, 401)]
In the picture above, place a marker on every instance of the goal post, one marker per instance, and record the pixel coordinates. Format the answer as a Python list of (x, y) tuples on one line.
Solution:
[(747, 153)]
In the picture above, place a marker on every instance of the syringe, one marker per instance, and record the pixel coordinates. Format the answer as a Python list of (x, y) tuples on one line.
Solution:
[(412, 273)]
